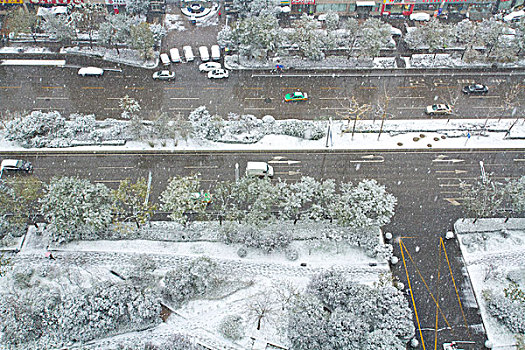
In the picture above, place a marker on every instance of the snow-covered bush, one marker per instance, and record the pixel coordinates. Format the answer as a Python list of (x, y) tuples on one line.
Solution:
[(257, 237), (179, 198), (158, 31), (242, 252), (384, 251), (43, 317), (309, 130), (291, 254), (190, 281), (76, 209), (232, 327), (35, 129), (507, 311), (81, 124), (205, 125)]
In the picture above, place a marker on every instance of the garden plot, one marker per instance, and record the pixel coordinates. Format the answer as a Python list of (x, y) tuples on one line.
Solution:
[(494, 252)]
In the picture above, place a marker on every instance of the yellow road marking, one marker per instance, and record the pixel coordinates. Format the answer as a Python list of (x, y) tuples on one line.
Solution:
[(410, 87), (455, 287), (52, 87), (213, 88), (412, 295), (368, 87), (252, 88), (173, 88), (9, 87), (92, 87), (135, 87)]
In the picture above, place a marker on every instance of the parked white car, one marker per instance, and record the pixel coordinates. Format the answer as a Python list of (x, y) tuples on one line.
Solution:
[(218, 74), (164, 75), (209, 66), (514, 16), (164, 58), (175, 55), (15, 165), (91, 71), (419, 16)]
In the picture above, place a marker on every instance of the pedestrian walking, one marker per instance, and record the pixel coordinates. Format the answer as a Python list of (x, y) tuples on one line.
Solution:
[(219, 14), (50, 256)]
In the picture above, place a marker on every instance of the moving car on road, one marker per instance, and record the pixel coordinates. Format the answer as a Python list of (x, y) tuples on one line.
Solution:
[(259, 169), (209, 66), (296, 96), (91, 72), (218, 74), (475, 89), (439, 109), (15, 165), (164, 75)]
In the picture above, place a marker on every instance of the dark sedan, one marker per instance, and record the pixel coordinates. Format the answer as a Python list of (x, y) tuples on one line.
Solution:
[(475, 89)]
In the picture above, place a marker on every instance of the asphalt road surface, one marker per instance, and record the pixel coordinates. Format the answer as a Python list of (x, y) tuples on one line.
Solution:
[(426, 184), (261, 92)]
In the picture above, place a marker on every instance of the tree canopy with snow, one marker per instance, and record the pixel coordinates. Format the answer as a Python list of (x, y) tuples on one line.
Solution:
[(306, 36), (131, 202), (75, 208), (181, 198), (256, 37), (336, 313), (18, 203)]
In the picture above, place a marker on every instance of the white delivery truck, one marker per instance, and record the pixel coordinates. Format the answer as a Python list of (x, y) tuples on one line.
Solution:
[(215, 52), (203, 52), (188, 53), (260, 169)]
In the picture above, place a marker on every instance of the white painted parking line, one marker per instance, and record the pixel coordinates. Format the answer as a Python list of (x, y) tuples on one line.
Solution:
[(333, 98), (254, 98), (182, 108), (51, 98), (492, 96), (495, 107), (52, 108), (411, 97), (257, 108), (184, 98), (414, 107)]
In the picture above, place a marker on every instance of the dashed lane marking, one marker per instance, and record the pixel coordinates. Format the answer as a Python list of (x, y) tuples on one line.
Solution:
[(9, 87), (51, 98), (52, 87), (92, 88), (184, 98)]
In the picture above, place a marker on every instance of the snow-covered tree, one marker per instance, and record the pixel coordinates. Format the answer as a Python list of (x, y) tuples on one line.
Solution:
[(374, 35), (158, 31), (225, 37), (261, 307), (130, 110), (204, 124), (75, 208), (307, 324), (332, 20), (306, 36), (19, 203), (345, 315), (351, 27), (254, 8), (515, 190), (33, 129), (249, 200), (180, 199), (59, 27), (482, 199), (22, 21), (367, 204), (86, 17), (437, 34), (489, 32), (309, 197), (142, 39), (130, 202), (115, 30), (256, 37), (464, 33), (191, 280), (383, 339), (137, 7)]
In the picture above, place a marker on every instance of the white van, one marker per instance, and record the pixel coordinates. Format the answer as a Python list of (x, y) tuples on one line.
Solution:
[(175, 55), (215, 52), (260, 169), (188, 53), (203, 52), (165, 59)]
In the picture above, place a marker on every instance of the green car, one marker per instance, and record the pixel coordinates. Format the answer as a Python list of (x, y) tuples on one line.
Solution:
[(296, 96)]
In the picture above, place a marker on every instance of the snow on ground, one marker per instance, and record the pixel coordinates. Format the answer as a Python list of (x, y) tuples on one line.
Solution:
[(256, 274), (173, 22), (491, 249)]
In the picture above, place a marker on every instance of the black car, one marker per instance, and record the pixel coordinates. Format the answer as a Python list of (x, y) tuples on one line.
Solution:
[(475, 89)]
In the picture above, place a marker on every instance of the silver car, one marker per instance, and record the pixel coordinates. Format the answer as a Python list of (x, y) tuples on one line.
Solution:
[(164, 75)]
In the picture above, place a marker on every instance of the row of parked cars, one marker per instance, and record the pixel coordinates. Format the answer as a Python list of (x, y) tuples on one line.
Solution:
[(204, 54)]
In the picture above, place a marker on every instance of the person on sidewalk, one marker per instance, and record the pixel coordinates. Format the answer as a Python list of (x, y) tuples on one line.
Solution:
[(50, 256)]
